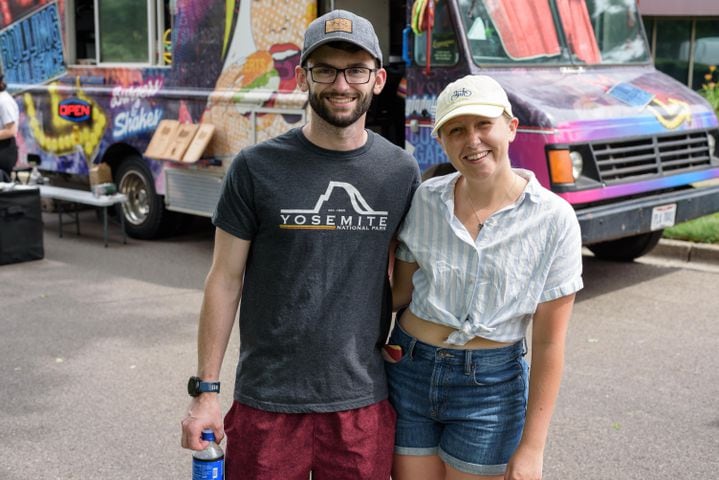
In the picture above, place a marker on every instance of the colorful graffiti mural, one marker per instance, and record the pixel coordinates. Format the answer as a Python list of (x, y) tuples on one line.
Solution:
[(134, 114), (13, 10), (252, 68), (61, 136), (258, 71), (31, 49)]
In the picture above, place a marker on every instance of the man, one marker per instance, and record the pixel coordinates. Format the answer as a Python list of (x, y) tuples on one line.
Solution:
[(304, 227)]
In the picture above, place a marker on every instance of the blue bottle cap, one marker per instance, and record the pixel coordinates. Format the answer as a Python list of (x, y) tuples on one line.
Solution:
[(208, 435)]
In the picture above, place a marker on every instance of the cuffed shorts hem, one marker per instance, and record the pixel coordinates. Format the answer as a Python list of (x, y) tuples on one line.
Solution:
[(416, 451), (472, 468)]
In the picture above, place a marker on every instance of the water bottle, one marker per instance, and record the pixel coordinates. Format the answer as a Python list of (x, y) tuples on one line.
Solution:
[(208, 464), (35, 176)]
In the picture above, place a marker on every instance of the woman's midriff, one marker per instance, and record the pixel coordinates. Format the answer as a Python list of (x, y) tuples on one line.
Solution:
[(435, 334)]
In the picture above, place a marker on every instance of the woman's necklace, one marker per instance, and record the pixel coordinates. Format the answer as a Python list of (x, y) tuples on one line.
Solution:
[(480, 223), (508, 193)]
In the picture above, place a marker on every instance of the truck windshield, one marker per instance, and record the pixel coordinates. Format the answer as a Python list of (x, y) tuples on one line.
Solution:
[(545, 32)]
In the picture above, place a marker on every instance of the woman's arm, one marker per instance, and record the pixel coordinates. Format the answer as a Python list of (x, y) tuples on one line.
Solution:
[(549, 330), (402, 283), (9, 130)]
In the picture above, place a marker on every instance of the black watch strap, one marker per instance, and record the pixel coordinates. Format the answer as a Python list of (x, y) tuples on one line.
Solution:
[(196, 386)]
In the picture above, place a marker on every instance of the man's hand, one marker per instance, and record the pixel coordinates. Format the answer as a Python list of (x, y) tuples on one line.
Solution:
[(204, 412)]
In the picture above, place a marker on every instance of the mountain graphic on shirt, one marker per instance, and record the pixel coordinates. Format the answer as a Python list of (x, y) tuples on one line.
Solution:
[(323, 216)]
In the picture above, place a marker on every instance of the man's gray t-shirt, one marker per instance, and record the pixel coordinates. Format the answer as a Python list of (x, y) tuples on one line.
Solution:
[(316, 304)]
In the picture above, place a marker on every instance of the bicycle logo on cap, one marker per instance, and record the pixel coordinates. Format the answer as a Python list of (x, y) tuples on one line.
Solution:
[(462, 92)]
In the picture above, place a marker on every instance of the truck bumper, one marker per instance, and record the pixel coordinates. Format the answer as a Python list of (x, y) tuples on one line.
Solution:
[(634, 217)]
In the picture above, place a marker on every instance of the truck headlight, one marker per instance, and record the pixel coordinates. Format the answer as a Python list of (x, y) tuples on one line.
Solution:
[(565, 166), (712, 141), (577, 164)]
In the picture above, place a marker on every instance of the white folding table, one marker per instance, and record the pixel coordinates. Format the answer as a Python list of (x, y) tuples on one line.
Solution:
[(86, 198)]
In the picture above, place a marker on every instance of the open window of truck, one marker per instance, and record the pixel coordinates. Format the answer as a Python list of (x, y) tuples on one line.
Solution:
[(561, 32), (107, 32)]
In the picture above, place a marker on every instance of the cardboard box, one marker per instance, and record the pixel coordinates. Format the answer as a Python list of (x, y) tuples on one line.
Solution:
[(162, 139), (179, 142), (100, 173), (199, 143)]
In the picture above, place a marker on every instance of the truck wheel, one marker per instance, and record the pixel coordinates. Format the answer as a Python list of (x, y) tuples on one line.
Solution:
[(144, 211), (628, 248)]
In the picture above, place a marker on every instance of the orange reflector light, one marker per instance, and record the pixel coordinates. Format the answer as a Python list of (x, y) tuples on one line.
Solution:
[(560, 166)]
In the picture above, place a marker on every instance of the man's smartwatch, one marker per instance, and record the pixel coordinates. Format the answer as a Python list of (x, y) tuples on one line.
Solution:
[(196, 386)]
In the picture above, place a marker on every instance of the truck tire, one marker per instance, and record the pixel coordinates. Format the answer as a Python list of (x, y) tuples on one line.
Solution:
[(628, 248), (144, 211)]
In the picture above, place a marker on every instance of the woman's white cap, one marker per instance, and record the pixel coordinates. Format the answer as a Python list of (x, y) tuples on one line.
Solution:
[(471, 95)]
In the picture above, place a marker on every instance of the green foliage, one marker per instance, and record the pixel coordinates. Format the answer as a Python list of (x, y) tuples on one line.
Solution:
[(123, 31), (704, 229), (710, 89), (701, 230)]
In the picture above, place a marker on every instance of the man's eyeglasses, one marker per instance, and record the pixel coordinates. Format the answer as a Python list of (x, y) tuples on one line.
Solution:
[(353, 75)]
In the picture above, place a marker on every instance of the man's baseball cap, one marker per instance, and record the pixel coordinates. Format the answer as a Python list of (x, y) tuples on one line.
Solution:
[(471, 95), (342, 26)]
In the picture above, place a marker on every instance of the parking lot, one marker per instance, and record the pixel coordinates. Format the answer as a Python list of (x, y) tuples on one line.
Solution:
[(97, 344)]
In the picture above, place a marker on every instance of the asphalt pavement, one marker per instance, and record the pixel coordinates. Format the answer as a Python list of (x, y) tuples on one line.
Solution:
[(97, 344)]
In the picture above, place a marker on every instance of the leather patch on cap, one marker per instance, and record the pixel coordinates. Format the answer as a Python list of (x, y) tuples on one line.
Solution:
[(338, 25)]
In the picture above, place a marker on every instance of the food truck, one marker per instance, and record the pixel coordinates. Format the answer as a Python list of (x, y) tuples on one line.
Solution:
[(120, 89)]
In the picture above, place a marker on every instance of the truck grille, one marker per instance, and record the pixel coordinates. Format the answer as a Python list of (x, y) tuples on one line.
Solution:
[(650, 157), (192, 191)]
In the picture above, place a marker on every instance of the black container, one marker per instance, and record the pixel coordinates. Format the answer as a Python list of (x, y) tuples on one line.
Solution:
[(20, 225)]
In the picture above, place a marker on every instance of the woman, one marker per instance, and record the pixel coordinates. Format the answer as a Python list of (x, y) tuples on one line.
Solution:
[(482, 252), (8, 129)]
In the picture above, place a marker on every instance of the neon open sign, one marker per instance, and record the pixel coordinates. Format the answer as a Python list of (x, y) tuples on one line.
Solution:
[(74, 110)]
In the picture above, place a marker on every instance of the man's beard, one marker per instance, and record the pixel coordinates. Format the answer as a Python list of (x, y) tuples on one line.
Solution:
[(322, 110)]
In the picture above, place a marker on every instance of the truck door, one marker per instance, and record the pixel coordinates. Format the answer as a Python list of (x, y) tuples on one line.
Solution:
[(386, 115)]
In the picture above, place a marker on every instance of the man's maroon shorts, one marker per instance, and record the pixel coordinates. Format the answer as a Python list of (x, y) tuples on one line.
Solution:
[(350, 445)]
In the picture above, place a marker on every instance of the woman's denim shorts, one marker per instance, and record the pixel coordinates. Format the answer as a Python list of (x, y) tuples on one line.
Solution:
[(467, 406)]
